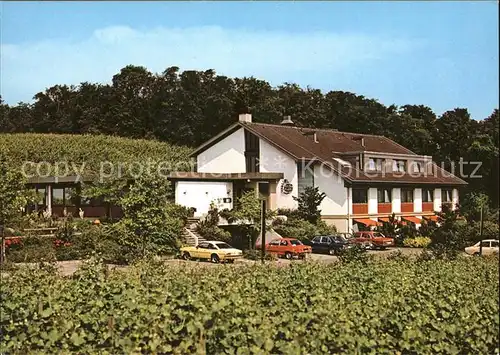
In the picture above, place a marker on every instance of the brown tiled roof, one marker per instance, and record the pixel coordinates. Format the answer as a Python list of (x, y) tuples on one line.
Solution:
[(190, 175), (329, 139), (299, 142)]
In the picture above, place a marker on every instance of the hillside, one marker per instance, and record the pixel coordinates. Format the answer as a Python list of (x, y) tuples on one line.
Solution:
[(85, 152)]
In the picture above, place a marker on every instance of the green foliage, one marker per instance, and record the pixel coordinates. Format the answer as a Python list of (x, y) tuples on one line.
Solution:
[(355, 254), (152, 224), (392, 228), (308, 204), (208, 228), (13, 193), (247, 215), (471, 204), (301, 229), (85, 153), (447, 240), (397, 306), (255, 254), (417, 242)]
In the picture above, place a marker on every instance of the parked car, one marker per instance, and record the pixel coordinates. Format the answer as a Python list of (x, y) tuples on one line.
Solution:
[(490, 246), (371, 240), (288, 248), (331, 244), (214, 251)]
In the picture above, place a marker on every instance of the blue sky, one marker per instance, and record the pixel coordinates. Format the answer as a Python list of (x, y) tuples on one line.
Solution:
[(440, 54)]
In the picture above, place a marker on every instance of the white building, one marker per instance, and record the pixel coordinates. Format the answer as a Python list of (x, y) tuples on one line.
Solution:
[(366, 178)]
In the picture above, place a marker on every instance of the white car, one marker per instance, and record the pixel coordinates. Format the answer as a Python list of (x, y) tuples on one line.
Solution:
[(489, 246)]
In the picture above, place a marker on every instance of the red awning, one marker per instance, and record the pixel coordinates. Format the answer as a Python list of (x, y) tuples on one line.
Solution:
[(367, 222), (413, 219), (384, 219), (431, 218)]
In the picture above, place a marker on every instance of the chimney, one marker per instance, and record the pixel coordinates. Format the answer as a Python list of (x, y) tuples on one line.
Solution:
[(287, 121), (245, 117)]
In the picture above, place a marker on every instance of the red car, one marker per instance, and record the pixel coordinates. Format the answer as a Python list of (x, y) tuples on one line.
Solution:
[(288, 247), (372, 240)]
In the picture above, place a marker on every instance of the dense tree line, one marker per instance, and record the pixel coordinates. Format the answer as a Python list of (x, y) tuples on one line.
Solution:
[(189, 107)]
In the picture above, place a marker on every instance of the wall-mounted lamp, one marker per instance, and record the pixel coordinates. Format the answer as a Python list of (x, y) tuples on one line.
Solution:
[(229, 192)]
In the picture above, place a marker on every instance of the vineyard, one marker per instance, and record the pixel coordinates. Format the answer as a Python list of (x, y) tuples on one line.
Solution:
[(396, 306), (85, 152)]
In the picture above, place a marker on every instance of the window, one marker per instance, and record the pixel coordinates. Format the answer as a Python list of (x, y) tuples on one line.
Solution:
[(494, 243), (41, 195), (275, 242), (384, 195), (371, 164), (305, 175), (325, 240), (359, 195), (427, 195), (70, 196), (485, 244), (406, 195), (295, 242), (399, 165), (64, 196), (283, 242), (418, 167), (446, 195), (58, 196), (375, 164), (203, 245), (251, 152)]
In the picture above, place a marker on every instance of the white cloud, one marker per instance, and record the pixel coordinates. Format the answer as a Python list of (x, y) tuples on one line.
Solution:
[(28, 68)]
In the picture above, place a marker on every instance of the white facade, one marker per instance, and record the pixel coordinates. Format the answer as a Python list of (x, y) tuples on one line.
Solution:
[(454, 198), (335, 202), (396, 200), (372, 201), (273, 160), (417, 200), (200, 194), (437, 200), (227, 156)]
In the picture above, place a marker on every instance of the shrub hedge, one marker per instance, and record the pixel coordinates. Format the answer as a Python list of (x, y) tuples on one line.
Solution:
[(385, 307)]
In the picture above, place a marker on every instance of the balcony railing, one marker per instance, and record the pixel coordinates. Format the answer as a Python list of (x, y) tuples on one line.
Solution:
[(384, 208), (360, 208), (427, 206), (407, 207)]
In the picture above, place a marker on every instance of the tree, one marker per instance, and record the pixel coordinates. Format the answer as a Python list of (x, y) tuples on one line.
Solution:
[(247, 214), (308, 204), (13, 193), (447, 239), (153, 224)]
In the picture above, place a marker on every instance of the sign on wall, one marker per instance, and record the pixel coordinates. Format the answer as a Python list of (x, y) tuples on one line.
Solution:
[(286, 187)]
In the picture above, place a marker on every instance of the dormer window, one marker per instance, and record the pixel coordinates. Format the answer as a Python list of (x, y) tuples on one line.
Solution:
[(399, 166), (418, 167), (375, 164)]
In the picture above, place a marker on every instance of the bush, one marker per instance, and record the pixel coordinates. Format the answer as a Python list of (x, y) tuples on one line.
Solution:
[(255, 254), (301, 229), (208, 228), (354, 254), (388, 307), (417, 242), (32, 249)]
